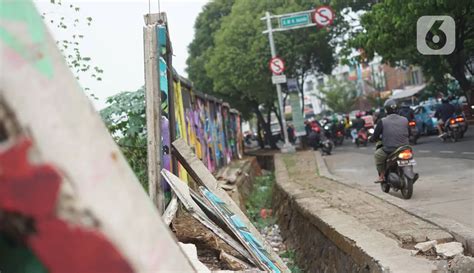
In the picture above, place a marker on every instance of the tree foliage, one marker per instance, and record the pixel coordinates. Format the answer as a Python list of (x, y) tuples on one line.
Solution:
[(340, 96), (125, 118), (66, 17), (206, 25), (389, 29)]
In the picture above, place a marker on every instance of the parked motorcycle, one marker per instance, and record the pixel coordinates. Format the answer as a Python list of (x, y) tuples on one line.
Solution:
[(414, 134), (362, 137), (399, 173), (452, 130)]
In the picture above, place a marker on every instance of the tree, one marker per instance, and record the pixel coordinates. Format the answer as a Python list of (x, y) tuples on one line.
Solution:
[(67, 20), (340, 96), (206, 25), (389, 29), (238, 63), (125, 118)]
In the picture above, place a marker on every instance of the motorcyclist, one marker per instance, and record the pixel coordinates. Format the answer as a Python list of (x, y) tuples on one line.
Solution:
[(393, 131), (357, 124), (443, 114), (406, 111), (314, 136)]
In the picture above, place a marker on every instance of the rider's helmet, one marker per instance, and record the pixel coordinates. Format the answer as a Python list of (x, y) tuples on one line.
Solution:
[(390, 106), (358, 114), (445, 99)]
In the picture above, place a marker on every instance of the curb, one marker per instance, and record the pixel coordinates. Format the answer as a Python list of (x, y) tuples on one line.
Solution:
[(460, 232), (369, 250)]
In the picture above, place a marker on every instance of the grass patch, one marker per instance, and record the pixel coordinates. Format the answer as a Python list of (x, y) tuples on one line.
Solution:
[(289, 161), (291, 256), (261, 198)]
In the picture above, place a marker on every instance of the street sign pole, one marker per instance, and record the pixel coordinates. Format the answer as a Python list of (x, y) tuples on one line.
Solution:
[(287, 147)]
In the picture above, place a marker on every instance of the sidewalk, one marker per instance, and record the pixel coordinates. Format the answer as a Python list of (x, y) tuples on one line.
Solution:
[(441, 196), (369, 231)]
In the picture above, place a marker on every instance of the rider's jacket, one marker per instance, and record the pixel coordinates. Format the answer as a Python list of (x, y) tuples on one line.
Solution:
[(394, 131)]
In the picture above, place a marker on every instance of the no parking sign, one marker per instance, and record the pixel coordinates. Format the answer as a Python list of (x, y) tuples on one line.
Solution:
[(277, 65), (323, 16)]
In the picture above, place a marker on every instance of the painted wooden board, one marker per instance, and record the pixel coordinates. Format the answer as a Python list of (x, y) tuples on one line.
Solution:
[(252, 244), (69, 135), (181, 189), (202, 176)]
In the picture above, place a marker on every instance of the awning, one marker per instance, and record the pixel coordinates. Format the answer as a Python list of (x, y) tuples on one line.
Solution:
[(408, 92)]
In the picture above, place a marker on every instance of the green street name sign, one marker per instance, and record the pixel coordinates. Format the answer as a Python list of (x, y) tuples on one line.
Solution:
[(295, 20)]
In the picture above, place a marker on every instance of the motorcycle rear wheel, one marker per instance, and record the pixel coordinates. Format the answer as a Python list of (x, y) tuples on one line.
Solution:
[(407, 189), (385, 187)]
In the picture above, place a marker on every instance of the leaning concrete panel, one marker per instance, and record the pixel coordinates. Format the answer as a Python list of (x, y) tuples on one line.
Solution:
[(98, 194)]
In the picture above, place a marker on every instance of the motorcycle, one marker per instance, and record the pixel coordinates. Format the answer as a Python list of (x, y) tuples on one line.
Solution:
[(317, 140), (452, 130), (399, 173), (461, 120), (362, 137), (413, 132), (339, 137)]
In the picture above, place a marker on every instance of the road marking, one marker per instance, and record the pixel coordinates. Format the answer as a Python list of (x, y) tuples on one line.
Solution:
[(424, 151), (468, 153), (363, 148), (447, 152)]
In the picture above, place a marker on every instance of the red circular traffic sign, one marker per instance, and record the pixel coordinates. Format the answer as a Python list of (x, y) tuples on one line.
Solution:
[(324, 16), (277, 65)]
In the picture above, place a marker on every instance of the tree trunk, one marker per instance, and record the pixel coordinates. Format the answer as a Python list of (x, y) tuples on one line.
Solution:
[(301, 85), (266, 127), (272, 140), (260, 140), (460, 76), (275, 110)]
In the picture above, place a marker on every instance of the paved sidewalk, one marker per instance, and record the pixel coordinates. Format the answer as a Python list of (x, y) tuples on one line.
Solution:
[(441, 196), (366, 208), (353, 220)]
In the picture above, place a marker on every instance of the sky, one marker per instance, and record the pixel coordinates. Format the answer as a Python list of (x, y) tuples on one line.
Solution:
[(114, 41)]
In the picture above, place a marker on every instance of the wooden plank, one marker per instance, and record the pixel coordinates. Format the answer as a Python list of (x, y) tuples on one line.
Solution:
[(201, 175), (183, 192), (171, 210), (98, 190), (153, 116)]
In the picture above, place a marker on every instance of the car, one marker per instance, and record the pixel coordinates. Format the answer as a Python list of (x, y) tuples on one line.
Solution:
[(425, 120)]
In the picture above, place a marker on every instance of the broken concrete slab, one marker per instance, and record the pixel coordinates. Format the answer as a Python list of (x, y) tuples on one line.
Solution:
[(449, 250), (191, 252), (182, 191), (203, 176), (462, 264), (233, 262), (425, 246)]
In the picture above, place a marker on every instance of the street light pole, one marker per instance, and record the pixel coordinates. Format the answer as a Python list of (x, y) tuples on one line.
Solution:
[(287, 147)]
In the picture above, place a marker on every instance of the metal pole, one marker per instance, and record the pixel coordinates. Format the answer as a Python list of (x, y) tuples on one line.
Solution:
[(287, 147)]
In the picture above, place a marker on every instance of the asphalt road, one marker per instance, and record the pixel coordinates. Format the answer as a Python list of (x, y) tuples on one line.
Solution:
[(446, 185), (427, 146)]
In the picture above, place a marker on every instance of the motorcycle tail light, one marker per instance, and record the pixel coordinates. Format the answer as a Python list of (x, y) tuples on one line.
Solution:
[(412, 123), (452, 121), (406, 154), (460, 119)]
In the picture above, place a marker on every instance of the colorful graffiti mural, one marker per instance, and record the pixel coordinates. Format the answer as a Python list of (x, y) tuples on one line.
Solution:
[(207, 124)]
